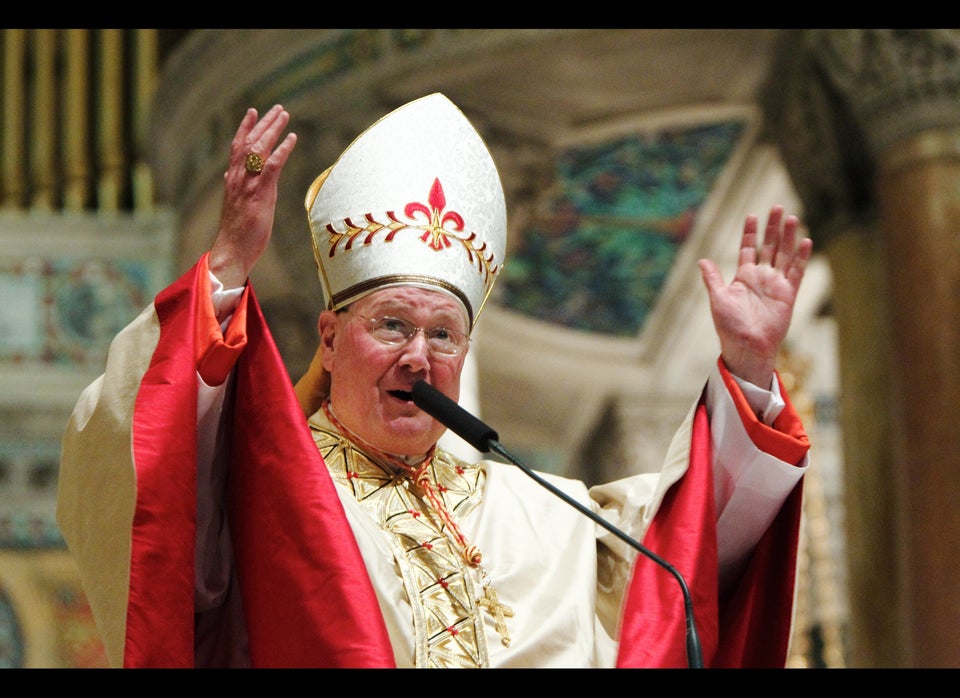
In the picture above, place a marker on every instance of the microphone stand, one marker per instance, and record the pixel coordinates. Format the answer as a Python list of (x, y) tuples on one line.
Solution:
[(485, 439)]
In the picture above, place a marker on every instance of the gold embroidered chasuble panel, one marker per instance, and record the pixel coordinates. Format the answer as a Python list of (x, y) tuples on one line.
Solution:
[(442, 588)]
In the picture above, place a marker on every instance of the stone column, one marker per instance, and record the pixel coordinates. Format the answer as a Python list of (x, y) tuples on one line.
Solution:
[(875, 633), (869, 123), (918, 195)]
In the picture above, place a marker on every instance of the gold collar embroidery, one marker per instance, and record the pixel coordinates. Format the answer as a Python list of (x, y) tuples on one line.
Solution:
[(441, 572)]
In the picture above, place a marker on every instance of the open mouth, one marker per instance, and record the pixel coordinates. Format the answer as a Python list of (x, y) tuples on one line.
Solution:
[(404, 395)]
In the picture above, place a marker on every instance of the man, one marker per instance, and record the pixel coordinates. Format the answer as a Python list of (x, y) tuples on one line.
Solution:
[(349, 539)]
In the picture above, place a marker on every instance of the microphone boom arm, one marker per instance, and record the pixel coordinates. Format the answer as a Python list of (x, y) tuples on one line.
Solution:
[(485, 439)]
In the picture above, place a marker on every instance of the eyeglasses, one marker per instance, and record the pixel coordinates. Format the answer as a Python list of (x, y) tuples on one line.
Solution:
[(397, 332)]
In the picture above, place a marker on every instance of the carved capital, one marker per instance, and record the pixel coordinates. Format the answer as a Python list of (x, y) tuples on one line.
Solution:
[(897, 82), (839, 99)]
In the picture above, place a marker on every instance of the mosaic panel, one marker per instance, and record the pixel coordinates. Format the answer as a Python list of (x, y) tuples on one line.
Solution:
[(78, 642), (43, 591), (11, 635), (599, 257), (28, 489), (66, 311), (69, 283)]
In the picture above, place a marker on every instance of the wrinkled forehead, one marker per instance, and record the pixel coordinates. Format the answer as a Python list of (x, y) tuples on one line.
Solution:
[(439, 306)]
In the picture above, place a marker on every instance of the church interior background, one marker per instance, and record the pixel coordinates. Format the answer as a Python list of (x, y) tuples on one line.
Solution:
[(626, 155)]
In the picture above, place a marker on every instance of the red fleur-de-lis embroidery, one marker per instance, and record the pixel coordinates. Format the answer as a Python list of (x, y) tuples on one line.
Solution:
[(436, 234), (437, 228), (427, 545)]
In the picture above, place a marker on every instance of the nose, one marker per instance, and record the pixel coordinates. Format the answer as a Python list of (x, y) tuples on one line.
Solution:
[(416, 352)]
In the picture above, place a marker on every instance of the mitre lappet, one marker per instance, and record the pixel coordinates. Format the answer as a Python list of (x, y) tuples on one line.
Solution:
[(416, 199)]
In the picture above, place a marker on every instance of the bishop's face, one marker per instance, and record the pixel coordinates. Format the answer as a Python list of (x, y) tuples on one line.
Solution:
[(371, 379)]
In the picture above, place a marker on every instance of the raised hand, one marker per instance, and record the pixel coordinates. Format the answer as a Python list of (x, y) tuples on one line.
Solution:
[(752, 314), (250, 196)]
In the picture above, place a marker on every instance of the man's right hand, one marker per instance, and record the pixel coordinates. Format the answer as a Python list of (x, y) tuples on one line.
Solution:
[(250, 199)]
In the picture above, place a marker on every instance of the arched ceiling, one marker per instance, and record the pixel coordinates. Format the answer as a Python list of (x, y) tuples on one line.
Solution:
[(552, 86)]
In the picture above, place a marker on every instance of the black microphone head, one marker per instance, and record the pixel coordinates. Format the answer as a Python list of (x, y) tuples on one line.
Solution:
[(454, 417)]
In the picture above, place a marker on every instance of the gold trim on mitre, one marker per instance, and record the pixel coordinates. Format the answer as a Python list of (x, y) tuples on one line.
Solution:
[(415, 199)]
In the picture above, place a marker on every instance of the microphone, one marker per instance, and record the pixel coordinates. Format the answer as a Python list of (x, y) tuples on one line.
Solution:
[(485, 439)]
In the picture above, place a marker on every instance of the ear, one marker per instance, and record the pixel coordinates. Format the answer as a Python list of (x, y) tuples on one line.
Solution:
[(327, 326), (313, 388)]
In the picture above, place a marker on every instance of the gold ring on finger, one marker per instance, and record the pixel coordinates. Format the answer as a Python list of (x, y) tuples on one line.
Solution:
[(254, 163)]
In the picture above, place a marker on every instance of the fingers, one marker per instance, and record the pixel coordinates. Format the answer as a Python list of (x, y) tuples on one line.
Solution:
[(265, 132), (780, 248), (792, 256), (771, 236), (260, 137), (246, 124), (748, 243), (712, 279), (798, 266), (238, 147), (279, 156)]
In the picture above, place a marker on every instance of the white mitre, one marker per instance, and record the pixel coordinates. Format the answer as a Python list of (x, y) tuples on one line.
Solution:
[(416, 199)]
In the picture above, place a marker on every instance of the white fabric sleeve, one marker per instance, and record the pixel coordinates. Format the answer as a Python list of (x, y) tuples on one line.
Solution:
[(750, 485), (210, 398), (225, 301), (213, 558)]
